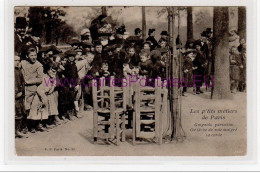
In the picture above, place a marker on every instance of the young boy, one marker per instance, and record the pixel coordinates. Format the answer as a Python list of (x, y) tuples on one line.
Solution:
[(19, 97), (145, 65), (33, 73), (71, 74)]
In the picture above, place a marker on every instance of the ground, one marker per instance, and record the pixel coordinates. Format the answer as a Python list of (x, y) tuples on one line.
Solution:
[(75, 137)]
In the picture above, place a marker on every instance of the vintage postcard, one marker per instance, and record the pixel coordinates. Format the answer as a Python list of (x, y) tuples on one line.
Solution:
[(130, 80)]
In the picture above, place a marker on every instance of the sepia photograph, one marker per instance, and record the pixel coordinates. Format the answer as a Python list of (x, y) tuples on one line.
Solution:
[(130, 80)]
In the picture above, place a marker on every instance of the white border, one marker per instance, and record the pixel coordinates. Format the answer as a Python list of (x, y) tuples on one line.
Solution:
[(153, 162)]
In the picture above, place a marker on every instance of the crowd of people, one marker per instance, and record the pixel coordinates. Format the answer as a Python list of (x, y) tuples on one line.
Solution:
[(98, 53)]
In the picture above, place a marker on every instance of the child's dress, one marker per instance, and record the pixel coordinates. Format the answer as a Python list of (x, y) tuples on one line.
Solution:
[(47, 94)]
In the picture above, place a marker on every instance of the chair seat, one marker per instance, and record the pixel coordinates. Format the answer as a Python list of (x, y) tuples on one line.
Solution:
[(107, 111)]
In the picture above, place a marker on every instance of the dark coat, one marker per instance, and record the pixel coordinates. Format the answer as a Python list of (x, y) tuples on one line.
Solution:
[(200, 63), (153, 42), (19, 87)]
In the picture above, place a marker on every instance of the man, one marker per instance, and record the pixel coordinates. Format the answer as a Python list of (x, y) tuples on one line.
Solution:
[(151, 39), (199, 65), (136, 40), (209, 70), (21, 40)]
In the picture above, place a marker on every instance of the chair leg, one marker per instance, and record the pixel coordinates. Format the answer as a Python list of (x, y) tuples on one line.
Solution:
[(117, 129), (123, 127)]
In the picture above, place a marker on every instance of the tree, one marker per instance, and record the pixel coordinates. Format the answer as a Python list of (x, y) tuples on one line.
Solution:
[(143, 23), (242, 22), (189, 23), (221, 88)]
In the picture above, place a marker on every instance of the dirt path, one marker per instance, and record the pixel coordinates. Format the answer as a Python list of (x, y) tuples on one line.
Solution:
[(75, 138)]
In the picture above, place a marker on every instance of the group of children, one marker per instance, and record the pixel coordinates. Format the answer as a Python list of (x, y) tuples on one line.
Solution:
[(48, 81)]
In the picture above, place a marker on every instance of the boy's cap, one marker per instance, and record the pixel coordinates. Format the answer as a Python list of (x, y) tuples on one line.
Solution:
[(137, 30), (155, 54), (21, 22), (85, 31), (74, 41), (209, 30), (70, 53), (164, 33), (204, 34)]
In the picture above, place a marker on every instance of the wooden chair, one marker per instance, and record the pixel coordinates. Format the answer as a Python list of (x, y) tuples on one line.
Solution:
[(109, 107), (147, 119)]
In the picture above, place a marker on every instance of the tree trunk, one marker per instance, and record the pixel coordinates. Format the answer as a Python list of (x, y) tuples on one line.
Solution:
[(143, 23), (242, 22), (104, 11), (221, 81), (189, 23), (170, 25)]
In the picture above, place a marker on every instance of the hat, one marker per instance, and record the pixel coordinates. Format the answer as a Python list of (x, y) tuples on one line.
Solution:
[(204, 34), (164, 33), (137, 30), (121, 30), (20, 22), (78, 50), (70, 53), (86, 43), (97, 42), (151, 31), (74, 41), (209, 30), (85, 31)]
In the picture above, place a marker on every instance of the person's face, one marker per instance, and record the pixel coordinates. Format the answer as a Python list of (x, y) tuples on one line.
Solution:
[(131, 52), (203, 38), (242, 41), (190, 55), (152, 34), (139, 34), (104, 42), (143, 58), (17, 62), (52, 73), (164, 36), (198, 47), (63, 61), (90, 58), (32, 56), (71, 58), (163, 44), (98, 48), (210, 35), (79, 54), (105, 67), (117, 50), (20, 31), (191, 45), (146, 47)]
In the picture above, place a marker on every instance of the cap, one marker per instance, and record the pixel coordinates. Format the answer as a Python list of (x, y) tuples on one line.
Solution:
[(85, 31), (70, 53), (20, 22), (164, 33)]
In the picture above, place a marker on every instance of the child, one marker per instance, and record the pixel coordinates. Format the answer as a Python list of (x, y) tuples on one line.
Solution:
[(187, 70), (235, 69), (71, 74), (19, 98), (145, 65), (47, 98), (32, 72), (103, 72)]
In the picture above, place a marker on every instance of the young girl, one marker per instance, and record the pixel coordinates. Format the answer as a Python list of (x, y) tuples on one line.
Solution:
[(33, 72), (47, 98)]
